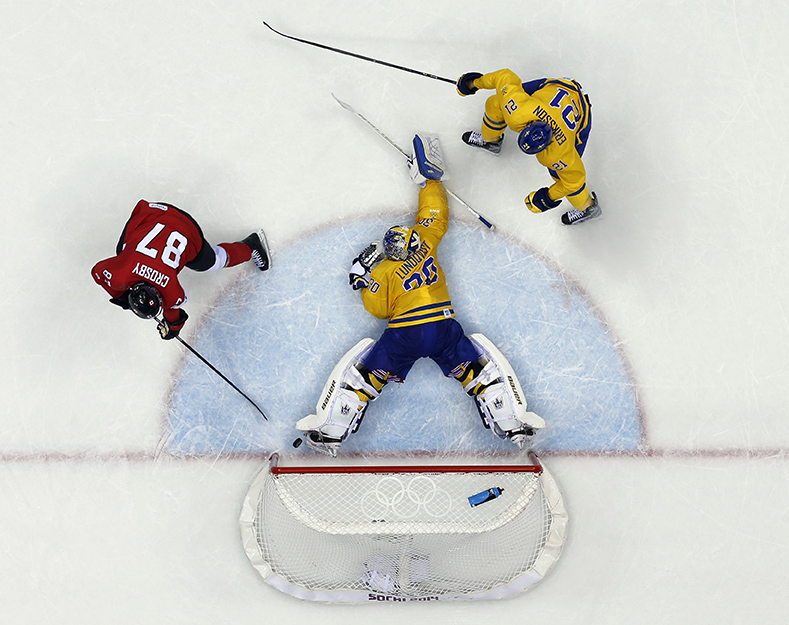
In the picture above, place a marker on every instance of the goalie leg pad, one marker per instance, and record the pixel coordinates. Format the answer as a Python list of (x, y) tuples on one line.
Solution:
[(488, 374), (340, 409), (501, 402), (497, 412), (339, 419), (370, 385)]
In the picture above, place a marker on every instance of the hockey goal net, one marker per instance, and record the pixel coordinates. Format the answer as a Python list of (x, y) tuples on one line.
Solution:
[(403, 533)]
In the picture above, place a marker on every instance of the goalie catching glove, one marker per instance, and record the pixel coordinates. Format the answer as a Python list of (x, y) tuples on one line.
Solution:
[(427, 161), (359, 276)]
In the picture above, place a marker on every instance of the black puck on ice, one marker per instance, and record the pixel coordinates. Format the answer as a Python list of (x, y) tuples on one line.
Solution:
[(298, 442)]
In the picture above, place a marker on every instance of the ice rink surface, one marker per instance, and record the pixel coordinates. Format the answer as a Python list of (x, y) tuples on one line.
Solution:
[(652, 340)]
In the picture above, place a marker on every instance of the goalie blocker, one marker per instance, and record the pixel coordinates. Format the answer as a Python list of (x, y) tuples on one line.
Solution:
[(496, 391)]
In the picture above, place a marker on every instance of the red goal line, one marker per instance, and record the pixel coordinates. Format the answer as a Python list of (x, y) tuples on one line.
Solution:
[(536, 467)]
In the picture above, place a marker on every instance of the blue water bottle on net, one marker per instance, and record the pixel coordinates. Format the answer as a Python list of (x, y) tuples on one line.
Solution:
[(485, 495)]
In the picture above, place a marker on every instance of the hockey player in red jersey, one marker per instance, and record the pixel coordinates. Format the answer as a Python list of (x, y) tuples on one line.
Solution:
[(553, 117), (158, 241)]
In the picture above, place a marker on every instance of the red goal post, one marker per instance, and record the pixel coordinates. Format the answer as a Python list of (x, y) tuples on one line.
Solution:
[(363, 533)]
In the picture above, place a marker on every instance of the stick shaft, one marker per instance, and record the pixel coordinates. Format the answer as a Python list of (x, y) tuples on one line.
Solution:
[(220, 374), (359, 56), (378, 131)]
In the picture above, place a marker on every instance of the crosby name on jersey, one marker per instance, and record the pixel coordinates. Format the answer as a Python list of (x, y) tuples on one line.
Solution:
[(156, 244)]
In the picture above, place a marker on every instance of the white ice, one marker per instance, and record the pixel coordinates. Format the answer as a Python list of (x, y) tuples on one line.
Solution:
[(197, 104)]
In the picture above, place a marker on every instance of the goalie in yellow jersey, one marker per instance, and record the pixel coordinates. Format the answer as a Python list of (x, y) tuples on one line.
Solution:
[(553, 117), (401, 280)]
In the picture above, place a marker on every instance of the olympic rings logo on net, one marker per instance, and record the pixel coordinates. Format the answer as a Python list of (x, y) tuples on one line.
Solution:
[(406, 499)]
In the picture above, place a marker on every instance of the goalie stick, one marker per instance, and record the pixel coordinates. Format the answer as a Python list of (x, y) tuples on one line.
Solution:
[(348, 107), (359, 56)]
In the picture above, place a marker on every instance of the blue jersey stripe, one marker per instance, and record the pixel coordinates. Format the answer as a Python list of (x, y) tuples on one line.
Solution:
[(427, 307), (432, 312)]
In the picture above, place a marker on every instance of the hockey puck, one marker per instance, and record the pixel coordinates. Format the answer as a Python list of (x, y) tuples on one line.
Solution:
[(298, 442)]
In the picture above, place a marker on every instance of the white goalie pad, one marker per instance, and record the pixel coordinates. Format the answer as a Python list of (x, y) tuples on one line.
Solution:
[(339, 409), (503, 403)]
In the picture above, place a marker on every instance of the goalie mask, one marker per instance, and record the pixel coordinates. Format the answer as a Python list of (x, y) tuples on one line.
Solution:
[(144, 300), (400, 242), (535, 137)]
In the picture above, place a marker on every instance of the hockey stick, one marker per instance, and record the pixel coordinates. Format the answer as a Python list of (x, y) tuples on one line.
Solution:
[(215, 370), (348, 107), (359, 56), (221, 375)]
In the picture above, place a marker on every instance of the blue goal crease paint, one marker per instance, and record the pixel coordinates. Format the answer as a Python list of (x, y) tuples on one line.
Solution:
[(570, 364)]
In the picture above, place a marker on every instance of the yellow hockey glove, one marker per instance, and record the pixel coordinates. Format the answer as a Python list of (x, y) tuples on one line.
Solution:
[(539, 201)]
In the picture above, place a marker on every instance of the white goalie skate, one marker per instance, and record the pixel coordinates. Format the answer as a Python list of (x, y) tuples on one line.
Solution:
[(502, 404), (339, 410)]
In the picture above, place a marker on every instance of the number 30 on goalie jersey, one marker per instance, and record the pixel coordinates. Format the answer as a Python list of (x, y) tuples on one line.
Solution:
[(414, 291), (427, 276)]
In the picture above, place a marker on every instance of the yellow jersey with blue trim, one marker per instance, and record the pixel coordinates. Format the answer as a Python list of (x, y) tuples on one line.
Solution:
[(559, 102), (414, 291)]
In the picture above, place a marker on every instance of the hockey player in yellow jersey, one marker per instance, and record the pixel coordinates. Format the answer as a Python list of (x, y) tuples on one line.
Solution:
[(553, 117), (401, 280), (409, 287)]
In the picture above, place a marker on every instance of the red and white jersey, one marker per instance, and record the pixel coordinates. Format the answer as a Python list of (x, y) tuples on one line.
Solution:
[(158, 241)]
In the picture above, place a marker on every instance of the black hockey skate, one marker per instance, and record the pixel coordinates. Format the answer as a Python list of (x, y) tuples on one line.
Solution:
[(575, 216), (259, 246), (521, 437), (474, 139)]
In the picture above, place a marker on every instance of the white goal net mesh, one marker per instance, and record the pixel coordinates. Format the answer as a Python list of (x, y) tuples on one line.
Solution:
[(403, 533)]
